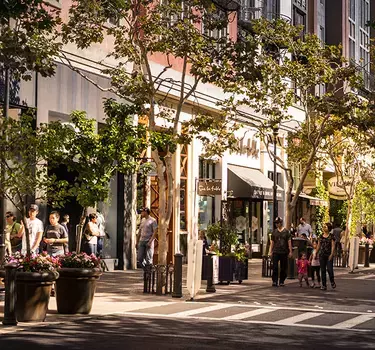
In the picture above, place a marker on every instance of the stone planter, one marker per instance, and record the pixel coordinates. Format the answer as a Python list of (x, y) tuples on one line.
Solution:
[(75, 290), (33, 292)]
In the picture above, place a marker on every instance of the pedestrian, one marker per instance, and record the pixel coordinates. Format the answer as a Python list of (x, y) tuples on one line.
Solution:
[(101, 226), (65, 223), (90, 235), (146, 237), (326, 250), (302, 266), (35, 227), (55, 235), (305, 228), (12, 231), (281, 243), (315, 266)]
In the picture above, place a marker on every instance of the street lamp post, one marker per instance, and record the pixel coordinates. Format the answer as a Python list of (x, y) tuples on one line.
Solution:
[(275, 206)]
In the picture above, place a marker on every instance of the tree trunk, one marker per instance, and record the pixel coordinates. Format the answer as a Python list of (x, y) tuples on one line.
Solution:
[(345, 257), (27, 234), (80, 229)]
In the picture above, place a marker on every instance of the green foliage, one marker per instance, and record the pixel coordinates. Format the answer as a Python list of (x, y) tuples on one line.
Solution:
[(363, 210), (338, 209), (28, 42), (321, 212), (96, 157), (226, 236), (26, 152)]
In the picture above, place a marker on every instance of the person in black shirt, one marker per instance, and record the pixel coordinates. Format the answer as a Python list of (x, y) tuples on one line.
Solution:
[(281, 243), (326, 249)]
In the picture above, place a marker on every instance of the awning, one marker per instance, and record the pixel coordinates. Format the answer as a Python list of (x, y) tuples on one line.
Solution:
[(314, 200), (250, 183)]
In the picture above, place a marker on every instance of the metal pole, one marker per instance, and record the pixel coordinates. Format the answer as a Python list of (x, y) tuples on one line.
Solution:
[(177, 278), (275, 208), (10, 296), (2, 175), (367, 255)]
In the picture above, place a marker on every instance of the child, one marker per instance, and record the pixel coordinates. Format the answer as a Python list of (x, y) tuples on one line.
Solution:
[(302, 265), (315, 266)]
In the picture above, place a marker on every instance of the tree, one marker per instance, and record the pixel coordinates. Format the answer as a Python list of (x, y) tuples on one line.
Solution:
[(26, 152), (171, 29), (350, 152), (297, 70), (28, 37), (96, 156)]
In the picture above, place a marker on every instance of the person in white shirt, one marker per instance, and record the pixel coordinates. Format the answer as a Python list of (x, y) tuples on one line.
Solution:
[(305, 228), (35, 227), (146, 237)]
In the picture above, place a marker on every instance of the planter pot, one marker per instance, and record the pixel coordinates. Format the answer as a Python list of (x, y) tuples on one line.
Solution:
[(361, 254), (226, 269), (33, 293), (75, 290), (241, 270)]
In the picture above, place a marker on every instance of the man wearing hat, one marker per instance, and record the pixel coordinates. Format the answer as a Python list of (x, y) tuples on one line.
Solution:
[(36, 229), (146, 237), (281, 244)]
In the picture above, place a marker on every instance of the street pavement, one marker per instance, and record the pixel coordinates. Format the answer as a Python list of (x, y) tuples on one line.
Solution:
[(247, 315)]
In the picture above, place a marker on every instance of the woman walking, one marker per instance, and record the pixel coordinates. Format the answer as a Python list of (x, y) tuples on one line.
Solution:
[(326, 250), (90, 236)]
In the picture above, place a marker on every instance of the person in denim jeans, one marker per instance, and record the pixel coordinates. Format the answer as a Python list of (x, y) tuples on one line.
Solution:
[(326, 249), (146, 238), (281, 243)]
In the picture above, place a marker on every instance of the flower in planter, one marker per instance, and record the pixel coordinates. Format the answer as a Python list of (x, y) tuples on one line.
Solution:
[(364, 241), (79, 260), (33, 263)]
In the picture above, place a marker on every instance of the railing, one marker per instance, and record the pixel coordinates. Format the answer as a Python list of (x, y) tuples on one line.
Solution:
[(155, 273)]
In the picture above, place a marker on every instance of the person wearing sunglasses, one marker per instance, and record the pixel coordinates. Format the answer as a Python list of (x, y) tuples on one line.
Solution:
[(13, 228)]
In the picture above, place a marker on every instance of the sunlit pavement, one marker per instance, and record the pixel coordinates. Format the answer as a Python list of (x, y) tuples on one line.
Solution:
[(252, 314)]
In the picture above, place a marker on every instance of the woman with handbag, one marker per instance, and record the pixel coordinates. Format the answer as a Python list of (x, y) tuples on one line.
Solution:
[(90, 235), (12, 242)]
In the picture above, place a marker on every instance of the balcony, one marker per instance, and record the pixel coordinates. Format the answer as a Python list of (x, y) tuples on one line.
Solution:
[(228, 5), (255, 9)]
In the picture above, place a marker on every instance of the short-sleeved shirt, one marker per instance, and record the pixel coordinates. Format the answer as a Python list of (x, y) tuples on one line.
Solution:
[(56, 232), (147, 228), (11, 230), (280, 241), (306, 229), (35, 226), (326, 245)]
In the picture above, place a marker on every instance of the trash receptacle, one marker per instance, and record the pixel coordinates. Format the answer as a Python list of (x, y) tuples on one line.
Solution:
[(266, 266), (292, 266)]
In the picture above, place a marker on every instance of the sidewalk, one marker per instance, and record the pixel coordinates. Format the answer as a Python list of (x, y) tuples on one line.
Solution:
[(122, 291)]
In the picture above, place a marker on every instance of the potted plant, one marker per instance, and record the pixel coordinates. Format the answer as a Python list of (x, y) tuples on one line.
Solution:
[(34, 278), (232, 255), (76, 285)]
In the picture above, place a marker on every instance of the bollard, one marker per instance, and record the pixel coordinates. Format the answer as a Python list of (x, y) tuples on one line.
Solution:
[(292, 267), (367, 255), (10, 296), (177, 283), (2, 249), (210, 269)]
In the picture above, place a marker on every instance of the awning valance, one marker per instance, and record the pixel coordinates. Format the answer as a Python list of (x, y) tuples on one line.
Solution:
[(314, 200), (250, 183)]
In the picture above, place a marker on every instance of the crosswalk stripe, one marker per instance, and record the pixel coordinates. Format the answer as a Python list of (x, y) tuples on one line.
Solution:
[(364, 277), (247, 314), (199, 311), (299, 318), (353, 321)]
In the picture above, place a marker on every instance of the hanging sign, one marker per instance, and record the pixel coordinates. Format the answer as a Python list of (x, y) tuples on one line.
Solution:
[(336, 187), (209, 187)]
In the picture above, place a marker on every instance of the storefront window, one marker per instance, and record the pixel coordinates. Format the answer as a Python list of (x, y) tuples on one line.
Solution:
[(206, 204)]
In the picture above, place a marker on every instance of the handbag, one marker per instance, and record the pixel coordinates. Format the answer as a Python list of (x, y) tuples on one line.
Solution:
[(14, 240)]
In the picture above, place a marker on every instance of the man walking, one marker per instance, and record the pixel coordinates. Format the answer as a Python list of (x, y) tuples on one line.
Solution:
[(36, 229), (305, 228), (146, 237), (281, 243)]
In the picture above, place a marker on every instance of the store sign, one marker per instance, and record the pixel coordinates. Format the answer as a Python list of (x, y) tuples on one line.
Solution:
[(249, 147), (209, 188), (336, 187)]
